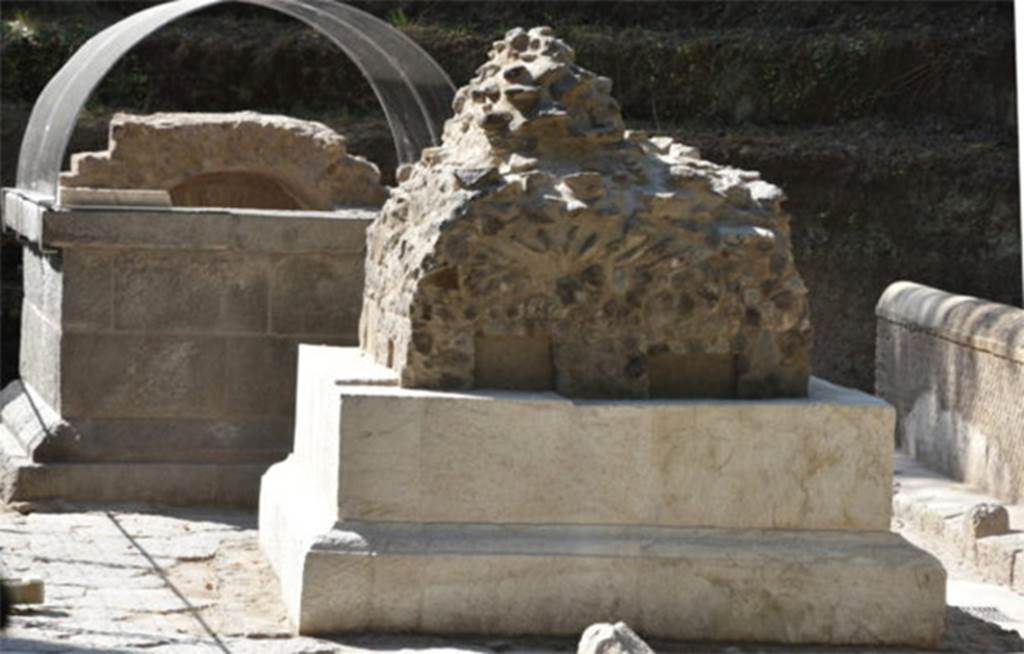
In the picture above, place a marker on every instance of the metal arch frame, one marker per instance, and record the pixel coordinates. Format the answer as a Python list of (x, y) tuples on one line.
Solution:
[(413, 89)]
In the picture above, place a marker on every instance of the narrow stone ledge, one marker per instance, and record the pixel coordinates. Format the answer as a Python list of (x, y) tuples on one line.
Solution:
[(180, 484), (207, 229), (939, 507)]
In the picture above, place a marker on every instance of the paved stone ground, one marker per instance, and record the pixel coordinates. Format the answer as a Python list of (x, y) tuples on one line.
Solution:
[(144, 579)]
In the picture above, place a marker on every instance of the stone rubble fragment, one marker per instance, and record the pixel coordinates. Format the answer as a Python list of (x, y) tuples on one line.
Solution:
[(22, 590), (607, 638), (986, 519), (543, 246)]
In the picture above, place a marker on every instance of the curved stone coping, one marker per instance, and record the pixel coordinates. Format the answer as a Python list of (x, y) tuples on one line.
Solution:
[(213, 228), (970, 321)]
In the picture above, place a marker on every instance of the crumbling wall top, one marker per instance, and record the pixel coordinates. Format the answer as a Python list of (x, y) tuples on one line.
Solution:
[(230, 159)]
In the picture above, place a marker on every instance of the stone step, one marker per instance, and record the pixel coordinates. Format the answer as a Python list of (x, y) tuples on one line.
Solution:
[(188, 484), (785, 586), (964, 518)]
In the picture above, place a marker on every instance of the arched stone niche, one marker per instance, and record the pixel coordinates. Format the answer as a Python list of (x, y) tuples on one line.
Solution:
[(235, 189), (242, 159)]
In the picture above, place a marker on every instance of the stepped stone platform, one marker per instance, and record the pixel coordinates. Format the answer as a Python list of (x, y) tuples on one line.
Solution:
[(159, 345), (509, 512)]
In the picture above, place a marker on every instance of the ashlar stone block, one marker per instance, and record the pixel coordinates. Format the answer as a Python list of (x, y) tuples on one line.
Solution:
[(539, 458), (142, 375), (212, 292)]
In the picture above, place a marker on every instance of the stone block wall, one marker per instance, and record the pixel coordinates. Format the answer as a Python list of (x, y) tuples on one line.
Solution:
[(171, 336), (954, 368)]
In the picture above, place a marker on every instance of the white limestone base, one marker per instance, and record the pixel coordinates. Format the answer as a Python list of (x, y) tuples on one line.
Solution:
[(406, 510), (783, 586)]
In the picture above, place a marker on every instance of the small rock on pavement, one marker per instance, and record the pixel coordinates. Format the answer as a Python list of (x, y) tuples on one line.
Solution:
[(606, 638), (23, 591), (986, 519)]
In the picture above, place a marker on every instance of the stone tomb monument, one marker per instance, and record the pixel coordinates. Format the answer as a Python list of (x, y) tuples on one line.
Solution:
[(166, 293), (169, 279), (582, 395)]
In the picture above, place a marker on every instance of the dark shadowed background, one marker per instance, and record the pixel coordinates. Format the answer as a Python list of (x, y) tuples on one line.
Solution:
[(891, 126)]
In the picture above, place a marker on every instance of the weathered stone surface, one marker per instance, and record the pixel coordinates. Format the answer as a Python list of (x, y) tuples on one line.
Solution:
[(823, 462), (20, 590), (242, 159), (88, 289), (986, 519), (340, 232), (953, 366), (44, 282), (958, 518), (680, 583), (181, 484), (148, 338), (253, 438), (510, 513), (26, 419), (159, 345), (606, 638), (994, 557), (540, 218), (40, 356), (106, 197), (261, 375), (142, 375), (316, 294), (176, 291)]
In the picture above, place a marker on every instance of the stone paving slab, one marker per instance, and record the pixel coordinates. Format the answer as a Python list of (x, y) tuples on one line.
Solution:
[(159, 580)]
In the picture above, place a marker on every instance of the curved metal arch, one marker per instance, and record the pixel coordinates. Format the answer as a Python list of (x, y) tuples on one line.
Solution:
[(413, 89)]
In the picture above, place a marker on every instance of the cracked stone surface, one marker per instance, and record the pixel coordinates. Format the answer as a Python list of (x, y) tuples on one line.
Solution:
[(146, 579)]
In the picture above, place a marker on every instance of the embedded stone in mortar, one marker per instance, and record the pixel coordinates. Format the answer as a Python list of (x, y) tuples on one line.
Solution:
[(542, 246), (242, 159)]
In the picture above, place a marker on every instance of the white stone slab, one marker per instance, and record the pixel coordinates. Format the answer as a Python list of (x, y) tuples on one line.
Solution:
[(112, 197), (834, 587), (387, 453)]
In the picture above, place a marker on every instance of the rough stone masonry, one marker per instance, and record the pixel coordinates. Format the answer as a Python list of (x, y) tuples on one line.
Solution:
[(241, 159), (542, 246)]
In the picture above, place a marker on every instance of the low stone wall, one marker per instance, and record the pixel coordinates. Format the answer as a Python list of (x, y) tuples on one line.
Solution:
[(954, 368), (171, 336)]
